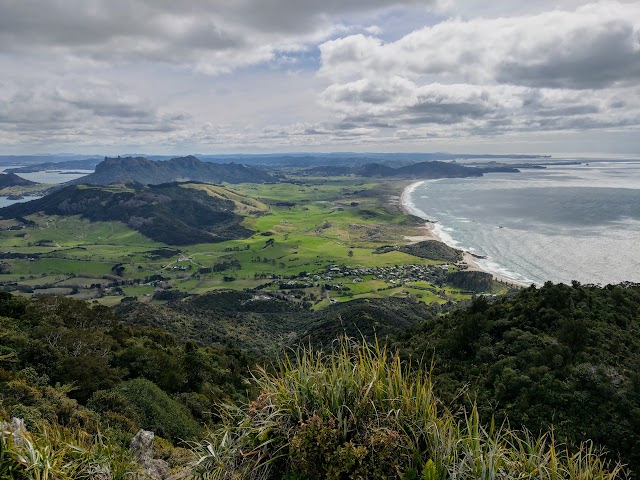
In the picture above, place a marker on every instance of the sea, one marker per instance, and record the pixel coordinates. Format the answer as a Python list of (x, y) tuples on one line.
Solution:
[(46, 177), (52, 176), (562, 223)]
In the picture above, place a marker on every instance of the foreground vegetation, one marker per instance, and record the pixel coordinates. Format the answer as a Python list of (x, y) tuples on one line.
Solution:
[(65, 363), (355, 413), (561, 357), (360, 413), (558, 358), (60, 453)]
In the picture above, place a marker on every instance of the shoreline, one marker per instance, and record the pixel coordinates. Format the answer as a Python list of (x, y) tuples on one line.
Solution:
[(430, 234)]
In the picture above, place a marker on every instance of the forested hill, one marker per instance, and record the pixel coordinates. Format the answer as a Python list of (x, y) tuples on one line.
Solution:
[(127, 377), (262, 324), (561, 356), (139, 169), (166, 213)]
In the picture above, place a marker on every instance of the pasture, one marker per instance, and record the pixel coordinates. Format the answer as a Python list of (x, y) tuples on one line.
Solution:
[(313, 234)]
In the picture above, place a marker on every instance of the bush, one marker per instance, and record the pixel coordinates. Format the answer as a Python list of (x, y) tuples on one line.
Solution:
[(145, 402), (359, 413), (58, 453)]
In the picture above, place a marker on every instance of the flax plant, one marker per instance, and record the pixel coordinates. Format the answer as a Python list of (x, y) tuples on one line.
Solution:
[(59, 453), (359, 412)]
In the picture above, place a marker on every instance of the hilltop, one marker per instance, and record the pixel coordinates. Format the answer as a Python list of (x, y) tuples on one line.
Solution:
[(148, 172), (13, 180), (347, 411), (165, 213)]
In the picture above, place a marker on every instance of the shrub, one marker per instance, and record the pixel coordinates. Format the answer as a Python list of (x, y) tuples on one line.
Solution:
[(359, 413), (143, 401), (58, 453)]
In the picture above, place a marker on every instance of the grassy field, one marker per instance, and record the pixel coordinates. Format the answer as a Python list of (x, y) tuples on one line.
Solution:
[(304, 232)]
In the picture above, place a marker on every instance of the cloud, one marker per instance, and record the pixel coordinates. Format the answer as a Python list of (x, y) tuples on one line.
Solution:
[(97, 114), (197, 75), (552, 71), (479, 109), (213, 36), (595, 46)]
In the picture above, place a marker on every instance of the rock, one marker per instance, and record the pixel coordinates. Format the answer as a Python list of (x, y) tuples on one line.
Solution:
[(16, 429), (142, 449), (19, 431)]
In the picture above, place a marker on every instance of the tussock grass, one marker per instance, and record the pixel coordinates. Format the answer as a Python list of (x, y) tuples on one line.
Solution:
[(58, 453), (358, 412)]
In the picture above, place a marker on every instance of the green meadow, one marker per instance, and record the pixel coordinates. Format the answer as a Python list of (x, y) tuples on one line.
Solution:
[(302, 231)]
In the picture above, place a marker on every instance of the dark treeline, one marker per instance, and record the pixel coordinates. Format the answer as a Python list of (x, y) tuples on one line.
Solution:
[(65, 362), (561, 357)]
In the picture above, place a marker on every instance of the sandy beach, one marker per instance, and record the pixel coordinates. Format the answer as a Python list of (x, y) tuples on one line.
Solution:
[(429, 233)]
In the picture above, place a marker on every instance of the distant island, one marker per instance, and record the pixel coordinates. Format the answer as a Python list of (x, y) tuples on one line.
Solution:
[(86, 164), (36, 163)]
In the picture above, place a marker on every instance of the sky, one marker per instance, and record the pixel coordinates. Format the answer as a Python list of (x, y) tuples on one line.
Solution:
[(224, 76)]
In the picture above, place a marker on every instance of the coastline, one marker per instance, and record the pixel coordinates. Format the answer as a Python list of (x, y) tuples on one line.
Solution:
[(431, 234)]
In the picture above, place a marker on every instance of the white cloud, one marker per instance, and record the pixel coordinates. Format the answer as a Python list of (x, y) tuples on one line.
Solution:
[(552, 71), (595, 46), (197, 75), (95, 114), (214, 36), (456, 109)]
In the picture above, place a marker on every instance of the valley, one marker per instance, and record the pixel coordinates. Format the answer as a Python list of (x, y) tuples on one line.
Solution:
[(314, 241)]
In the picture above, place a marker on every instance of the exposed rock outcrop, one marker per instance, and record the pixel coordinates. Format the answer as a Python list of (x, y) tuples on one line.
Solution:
[(16, 428), (142, 450)]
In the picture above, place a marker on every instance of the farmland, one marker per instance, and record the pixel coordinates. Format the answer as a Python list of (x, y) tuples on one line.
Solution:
[(309, 240)]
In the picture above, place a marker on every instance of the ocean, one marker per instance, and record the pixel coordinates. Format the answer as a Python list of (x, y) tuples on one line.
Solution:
[(48, 177), (54, 176), (562, 223)]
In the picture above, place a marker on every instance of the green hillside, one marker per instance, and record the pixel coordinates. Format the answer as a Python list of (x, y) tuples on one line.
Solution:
[(561, 357), (163, 213), (85, 379), (12, 180), (307, 241)]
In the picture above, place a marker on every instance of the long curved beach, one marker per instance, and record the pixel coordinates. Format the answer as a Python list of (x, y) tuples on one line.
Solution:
[(562, 223)]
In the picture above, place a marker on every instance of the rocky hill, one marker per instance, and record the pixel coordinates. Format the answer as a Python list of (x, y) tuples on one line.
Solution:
[(148, 172), (13, 180), (166, 213)]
